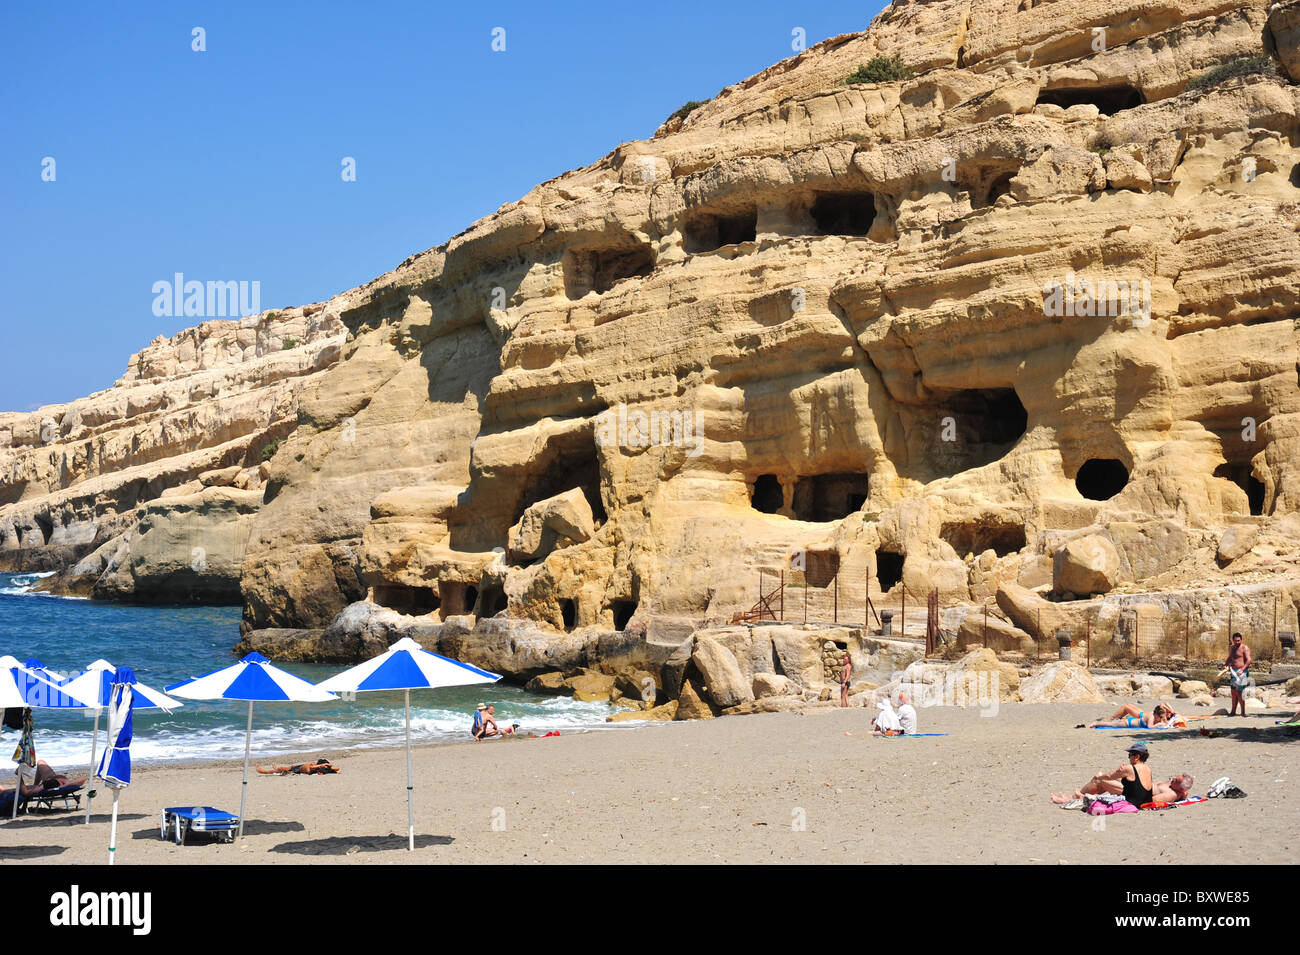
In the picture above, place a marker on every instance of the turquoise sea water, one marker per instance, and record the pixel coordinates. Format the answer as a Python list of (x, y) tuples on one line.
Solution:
[(165, 645)]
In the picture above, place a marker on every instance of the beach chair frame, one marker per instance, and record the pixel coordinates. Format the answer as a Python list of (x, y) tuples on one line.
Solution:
[(182, 820)]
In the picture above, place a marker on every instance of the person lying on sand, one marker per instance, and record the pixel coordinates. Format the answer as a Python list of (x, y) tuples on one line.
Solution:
[(321, 767), (1162, 716), (1131, 780), (1176, 790)]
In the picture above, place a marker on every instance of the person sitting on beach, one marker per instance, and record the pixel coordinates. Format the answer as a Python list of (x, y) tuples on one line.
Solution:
[(1238, 667), (1131, 780), (886, 722), (1162, 717), (906, 715), (320, 767), (484, 726), (492, 718)]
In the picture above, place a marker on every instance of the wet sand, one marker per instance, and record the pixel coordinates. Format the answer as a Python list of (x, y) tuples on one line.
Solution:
[(786, 787)]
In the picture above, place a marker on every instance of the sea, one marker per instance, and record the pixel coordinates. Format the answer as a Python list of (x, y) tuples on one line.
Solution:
[(165, 645)]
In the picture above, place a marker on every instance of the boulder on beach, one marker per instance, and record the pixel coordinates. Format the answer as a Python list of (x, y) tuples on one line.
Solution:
[(1061, 682)]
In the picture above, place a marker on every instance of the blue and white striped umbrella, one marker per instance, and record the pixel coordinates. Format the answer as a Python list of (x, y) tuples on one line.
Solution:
[(407, 666), (255, 680), (115, 764), (97, 684), (20, 686)]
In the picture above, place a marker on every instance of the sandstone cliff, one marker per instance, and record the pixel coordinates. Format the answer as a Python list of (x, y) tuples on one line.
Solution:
[(1038, 296), (177, 444)]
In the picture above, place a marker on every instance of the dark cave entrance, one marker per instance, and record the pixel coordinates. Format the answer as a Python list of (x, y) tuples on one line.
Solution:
[(413, 601), (767, 496), (492, 601), (1240, 475), (1108, 99), (829, 497), (623, 611), (1100, 479), (889, 569), (704, 231), (975, 538), (568, 612), (844, 213), (569, 461), (599, 269)]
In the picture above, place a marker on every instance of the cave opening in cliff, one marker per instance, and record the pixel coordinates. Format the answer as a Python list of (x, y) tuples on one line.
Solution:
[(976, 426), (889, 569), (821, 567), (456, 597), (706, 231), (599, 269), (844, 213), (567, 461), (828, 497), (1100, 479), (46, 526), (969, 538), (1108, 99), (768, 496), (623, 611), (1242, 476), (568, 612), (999, 187), (413, 601), (492, 601)]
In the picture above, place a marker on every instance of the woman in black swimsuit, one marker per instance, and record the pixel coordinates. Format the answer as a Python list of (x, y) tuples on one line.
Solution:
[(1132, 781)]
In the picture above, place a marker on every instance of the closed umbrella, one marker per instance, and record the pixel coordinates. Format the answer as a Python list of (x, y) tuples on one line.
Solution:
[(255, 680), (97, 684), (115, 764), (407, 666)]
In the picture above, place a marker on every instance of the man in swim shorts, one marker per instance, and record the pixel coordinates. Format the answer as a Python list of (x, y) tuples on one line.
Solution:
[(1238, 666)]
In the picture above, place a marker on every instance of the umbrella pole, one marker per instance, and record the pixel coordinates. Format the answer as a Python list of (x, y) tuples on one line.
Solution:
[(410, 791), (94, 744), (112, 833), (248, 742)]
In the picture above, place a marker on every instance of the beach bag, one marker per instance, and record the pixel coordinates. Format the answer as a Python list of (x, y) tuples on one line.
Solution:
[(1099, 808), (14, 718)]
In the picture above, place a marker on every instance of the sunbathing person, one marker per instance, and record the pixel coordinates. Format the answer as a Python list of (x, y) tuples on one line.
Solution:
[(1176, 790), (47, 778), (1162, 717), (1131, 780), (320, 767)]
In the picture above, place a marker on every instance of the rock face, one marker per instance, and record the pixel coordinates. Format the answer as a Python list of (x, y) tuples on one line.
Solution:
[(920, 333), (124, 471)]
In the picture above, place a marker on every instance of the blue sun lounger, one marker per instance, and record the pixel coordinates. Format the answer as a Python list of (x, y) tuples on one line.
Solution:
[(182, 820), (71, 796)]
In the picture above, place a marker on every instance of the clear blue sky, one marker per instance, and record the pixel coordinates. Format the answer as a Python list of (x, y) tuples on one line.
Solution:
[(225, 164)]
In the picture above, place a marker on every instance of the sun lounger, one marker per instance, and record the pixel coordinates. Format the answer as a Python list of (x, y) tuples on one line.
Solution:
[(71, 796), (182, 820)]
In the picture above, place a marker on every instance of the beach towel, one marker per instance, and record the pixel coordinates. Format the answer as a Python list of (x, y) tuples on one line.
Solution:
[(1100, 807), (1189, 801), (913, 735)]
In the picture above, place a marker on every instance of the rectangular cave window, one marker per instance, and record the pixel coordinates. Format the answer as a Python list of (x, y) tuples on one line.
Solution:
[(599, 269), (844, 213), (968, 538), (705, 231), (829, 497), (821, 567), (457, 597), (767, 495), (568, 461), (413, 601), (623, 611), (492, 601), (889, 569), (1108, 99)]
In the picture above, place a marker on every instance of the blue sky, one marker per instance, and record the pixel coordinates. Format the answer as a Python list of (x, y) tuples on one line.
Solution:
[(225, 164)]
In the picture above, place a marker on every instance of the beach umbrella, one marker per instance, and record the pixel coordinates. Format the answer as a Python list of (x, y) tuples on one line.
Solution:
[(255, 680), (407, 666), (21, 687), (97, 684), (115, 764)]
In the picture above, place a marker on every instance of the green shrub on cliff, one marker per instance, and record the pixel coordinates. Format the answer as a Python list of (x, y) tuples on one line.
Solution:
[(880, 69), (268, 452), (1241, 66), (687, 109)]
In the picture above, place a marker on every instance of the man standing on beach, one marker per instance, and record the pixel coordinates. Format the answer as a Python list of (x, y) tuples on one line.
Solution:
[(1238, 665), (846, 674)]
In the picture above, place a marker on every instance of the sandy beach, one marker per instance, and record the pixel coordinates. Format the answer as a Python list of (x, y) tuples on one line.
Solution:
[(801, 788)]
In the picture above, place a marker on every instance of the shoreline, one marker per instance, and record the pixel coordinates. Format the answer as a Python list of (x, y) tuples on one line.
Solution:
[(808, 787)]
